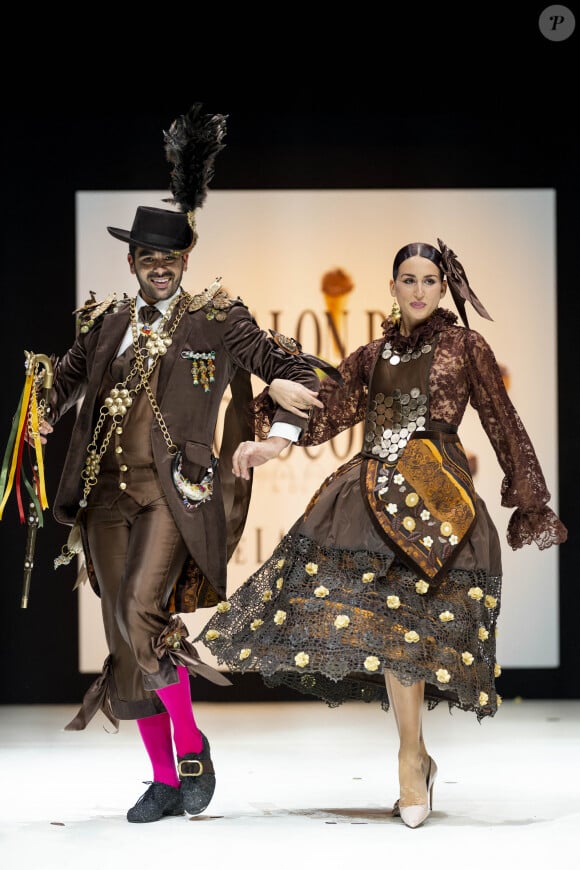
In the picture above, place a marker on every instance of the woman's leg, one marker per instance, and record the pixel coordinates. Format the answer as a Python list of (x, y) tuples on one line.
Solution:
[(389, 678), (414, 761)]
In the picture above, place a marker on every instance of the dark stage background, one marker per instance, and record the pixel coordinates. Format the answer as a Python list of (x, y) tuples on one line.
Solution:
[(422, 100)]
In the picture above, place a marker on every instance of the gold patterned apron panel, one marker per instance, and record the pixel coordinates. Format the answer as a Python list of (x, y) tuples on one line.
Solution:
[(424, 502)]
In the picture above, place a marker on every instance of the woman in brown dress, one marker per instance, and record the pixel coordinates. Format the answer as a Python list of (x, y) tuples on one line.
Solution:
[(388, 587)]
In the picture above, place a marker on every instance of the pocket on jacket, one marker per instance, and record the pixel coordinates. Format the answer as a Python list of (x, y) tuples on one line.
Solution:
[(196, 461)]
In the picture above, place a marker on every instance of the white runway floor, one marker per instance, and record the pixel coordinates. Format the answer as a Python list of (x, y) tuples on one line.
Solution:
[(300, 786)]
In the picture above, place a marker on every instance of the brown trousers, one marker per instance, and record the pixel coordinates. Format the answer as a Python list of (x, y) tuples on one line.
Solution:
[(138, 553)]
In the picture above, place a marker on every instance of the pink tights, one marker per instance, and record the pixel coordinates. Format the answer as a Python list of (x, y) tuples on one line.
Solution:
[(156, 730)]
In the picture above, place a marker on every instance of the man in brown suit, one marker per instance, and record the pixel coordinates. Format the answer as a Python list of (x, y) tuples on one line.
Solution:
[(155, 513)]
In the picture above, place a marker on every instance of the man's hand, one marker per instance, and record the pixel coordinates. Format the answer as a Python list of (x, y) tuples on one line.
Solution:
[(294, 397), (44, 429), (250, 454)]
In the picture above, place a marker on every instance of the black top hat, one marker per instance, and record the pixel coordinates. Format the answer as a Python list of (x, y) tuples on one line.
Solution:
[(158, 229)]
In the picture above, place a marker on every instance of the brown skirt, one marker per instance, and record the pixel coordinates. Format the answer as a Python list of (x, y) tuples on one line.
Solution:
[(334, 607)]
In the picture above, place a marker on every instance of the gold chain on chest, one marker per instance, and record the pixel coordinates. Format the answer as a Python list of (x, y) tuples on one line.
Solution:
[(121, 397)]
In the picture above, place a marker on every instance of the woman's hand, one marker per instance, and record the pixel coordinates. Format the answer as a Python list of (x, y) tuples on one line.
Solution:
[(250, 454), (294, 397)]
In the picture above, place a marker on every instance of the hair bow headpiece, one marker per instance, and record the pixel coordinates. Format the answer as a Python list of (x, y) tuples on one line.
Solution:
[(458, 284)]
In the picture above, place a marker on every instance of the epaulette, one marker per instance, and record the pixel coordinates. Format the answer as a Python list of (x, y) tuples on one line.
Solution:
[(92, 310), (214, 301)]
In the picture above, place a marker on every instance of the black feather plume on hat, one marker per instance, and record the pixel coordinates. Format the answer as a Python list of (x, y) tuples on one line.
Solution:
[(191, 145)]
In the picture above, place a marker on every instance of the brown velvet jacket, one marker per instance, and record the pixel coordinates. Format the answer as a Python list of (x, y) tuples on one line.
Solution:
[(241, 348)]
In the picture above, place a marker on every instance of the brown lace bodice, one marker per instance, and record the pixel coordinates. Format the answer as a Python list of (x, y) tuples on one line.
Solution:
[(464, 369)]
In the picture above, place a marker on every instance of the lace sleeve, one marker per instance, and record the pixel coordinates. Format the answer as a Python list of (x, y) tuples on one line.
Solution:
[(344, 404), (523, 486)]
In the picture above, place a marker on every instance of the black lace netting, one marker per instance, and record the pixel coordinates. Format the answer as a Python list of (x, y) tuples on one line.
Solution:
[(327, 622)]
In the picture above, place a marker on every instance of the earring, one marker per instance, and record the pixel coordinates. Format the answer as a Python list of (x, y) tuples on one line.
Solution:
[(395, 313)]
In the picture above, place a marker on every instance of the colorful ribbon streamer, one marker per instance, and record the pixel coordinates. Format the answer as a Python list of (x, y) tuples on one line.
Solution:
[(12, 471)]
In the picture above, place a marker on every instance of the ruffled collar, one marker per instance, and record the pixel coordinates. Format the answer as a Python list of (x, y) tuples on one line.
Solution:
[(439, 320)]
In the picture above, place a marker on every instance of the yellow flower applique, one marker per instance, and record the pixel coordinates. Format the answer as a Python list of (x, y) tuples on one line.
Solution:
[(342, 621), (372, 663), (301, 659), (476, 593)]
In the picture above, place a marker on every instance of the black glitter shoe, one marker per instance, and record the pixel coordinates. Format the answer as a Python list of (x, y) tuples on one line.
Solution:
[(159, 800), (197, 779)]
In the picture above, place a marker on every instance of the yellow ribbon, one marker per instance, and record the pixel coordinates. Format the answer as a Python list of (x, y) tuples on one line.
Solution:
[(38, 450), (28, 406)]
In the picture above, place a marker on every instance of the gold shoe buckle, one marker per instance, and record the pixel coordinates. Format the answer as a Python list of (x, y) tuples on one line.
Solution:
[(182, 772)]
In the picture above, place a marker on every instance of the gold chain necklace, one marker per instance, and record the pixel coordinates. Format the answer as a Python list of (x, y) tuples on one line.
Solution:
[(121, 397)]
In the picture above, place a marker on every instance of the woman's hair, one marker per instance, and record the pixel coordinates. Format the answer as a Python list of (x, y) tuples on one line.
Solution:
[(417, 249)]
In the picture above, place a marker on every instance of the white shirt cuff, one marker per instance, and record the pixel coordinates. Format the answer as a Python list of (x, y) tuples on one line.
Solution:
[(285, 430)]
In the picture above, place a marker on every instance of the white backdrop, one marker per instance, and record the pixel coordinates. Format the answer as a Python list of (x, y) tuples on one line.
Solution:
[(273, 248)]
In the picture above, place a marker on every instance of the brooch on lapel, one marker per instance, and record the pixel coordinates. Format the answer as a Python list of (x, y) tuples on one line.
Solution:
[(202, 367)]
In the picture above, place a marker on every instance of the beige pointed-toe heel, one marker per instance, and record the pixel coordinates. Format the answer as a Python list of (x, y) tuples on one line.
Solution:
[(416, 814)]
